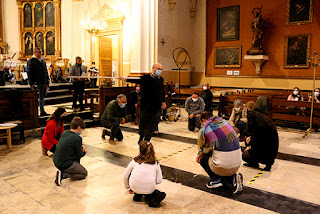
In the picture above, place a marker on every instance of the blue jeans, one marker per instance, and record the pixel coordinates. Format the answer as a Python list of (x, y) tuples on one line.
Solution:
[(242, 126), (42, 93)]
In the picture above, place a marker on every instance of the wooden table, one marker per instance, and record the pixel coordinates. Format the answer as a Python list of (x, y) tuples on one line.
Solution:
[(7, 135)]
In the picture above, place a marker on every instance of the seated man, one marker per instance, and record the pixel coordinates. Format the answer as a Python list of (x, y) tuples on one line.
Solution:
[(219, 152), (194, 106), (238, 119), (69, 151), (114, 115)]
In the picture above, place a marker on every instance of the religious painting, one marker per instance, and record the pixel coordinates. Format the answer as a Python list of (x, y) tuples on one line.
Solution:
[(299, 12), (50, 15), (227, 57), (50, 42), (38, 15), (39, 40), (228, 23), (27, 15), (297, 51), (28, 44)]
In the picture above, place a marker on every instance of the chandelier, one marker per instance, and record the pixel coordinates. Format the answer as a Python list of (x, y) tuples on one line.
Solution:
[(93, 27), (94, 24)]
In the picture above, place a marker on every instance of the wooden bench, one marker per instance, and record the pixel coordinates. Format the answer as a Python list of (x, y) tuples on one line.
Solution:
[(278, 107)]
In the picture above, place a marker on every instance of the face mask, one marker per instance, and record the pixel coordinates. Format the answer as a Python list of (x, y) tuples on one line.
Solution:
[(295, 92), (237, 109), (316, 94), (79, 133), (195, 99), (93, 66), (205, 87), (123, 105), (158, 72), (138, 88)]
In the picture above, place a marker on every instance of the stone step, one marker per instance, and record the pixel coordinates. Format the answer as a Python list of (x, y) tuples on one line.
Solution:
[(60, 92), (58, 99), (84, 115)]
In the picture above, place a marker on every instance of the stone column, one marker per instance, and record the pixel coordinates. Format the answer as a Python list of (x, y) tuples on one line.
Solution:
[(21, 53), (57, 19), (143, 42)]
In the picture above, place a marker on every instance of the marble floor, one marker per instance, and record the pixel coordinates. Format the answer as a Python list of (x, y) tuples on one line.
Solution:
[(27, 177)]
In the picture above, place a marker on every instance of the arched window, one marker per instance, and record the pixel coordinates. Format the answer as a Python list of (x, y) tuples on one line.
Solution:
[(38, 15)]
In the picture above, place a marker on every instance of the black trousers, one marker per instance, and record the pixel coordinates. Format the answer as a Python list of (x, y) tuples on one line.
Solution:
[(115, 130), (148, 122), (249, 157), (213, 176), (194, 123), (78, 90)]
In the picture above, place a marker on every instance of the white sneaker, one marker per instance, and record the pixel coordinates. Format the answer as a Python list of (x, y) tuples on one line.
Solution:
[(237, 183), (58, 178)]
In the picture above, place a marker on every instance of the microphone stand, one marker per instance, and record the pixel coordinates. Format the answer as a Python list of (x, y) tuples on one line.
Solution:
[(179, 69), (315, 65)]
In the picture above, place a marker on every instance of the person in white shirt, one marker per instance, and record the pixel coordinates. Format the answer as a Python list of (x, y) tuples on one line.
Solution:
[(94, 71), (143, 174)]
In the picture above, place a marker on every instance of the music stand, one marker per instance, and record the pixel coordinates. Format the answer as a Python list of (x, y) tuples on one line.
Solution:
[(179, 69)]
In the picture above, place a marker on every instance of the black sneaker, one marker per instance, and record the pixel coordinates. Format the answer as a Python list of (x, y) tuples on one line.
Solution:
[(237, 183), (267, 168), (137, 197), (254, 165), (214, 183), (43, 114), (58, 178), (156, 202)]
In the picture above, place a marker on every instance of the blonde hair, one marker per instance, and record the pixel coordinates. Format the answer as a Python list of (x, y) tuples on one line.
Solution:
[(251, 105), (147, 154)]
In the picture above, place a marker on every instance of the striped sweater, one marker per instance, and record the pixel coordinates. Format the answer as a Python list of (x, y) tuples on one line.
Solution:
[(218, 136)]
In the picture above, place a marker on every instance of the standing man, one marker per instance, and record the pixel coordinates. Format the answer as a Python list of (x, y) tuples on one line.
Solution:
[(114, 115), (69, 151), (38, 75), (78, 83), (194, 106), (152, 101), (94, 71)]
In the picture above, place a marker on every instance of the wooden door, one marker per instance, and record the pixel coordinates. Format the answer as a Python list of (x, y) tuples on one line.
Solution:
[(105, 57)]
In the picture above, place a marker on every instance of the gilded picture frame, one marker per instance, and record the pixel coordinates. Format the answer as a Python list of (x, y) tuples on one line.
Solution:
[(299, 12), (228, 57), (297, 51), (228, 23)]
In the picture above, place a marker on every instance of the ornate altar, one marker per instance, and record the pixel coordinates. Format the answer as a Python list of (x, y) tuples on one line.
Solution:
[(40, 26)]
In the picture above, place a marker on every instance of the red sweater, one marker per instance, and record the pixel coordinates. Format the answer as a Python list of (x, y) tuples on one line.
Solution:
[(50, 134)]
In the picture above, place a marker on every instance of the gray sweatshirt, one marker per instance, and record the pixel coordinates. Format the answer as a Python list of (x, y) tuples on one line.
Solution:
[(194, 107)]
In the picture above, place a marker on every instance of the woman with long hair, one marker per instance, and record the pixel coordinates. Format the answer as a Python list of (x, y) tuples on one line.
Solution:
[(295, 95), (316, 95), (143, 174), (53, 131)]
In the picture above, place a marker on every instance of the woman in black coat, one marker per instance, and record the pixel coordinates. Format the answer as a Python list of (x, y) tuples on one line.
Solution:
[(263, 143)]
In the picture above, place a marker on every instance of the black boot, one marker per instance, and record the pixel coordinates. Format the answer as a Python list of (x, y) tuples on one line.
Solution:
[(137, 197), (157, 198)]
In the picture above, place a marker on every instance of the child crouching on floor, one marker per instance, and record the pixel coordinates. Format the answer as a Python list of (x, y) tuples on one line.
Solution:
[(143, 174)]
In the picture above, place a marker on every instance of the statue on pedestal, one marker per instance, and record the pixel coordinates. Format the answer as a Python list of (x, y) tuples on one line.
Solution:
[(258, 25)]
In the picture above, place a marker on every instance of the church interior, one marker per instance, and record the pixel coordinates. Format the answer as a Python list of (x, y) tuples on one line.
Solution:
[(213, 105)]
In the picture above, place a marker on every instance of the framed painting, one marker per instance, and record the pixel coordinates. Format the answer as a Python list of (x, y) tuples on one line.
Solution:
[(27, 15), (38, 15), (297, 51), (228, 57), (299, 12), (28, 44), (39, 40), (50, 20), (50, 41), (228, 23)]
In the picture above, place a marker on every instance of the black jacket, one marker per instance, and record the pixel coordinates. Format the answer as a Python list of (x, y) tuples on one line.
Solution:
[(152, 93), (264, 137), (207, 96), (37, 71), (113, 112)]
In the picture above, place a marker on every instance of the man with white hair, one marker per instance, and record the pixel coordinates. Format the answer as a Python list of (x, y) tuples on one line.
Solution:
[(152, 101)]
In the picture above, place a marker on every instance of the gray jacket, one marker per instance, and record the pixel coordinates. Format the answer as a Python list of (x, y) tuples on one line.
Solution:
[(194, 107), (75, 71)]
